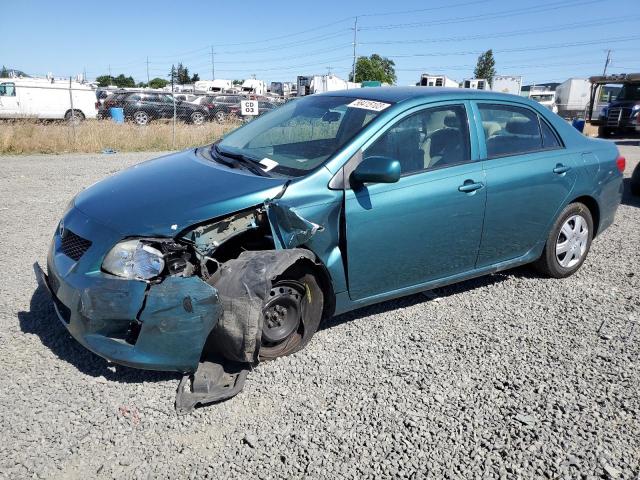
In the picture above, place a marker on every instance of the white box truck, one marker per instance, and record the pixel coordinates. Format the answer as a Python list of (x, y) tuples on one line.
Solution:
[(572, 97), (48, 99), (506, 84), (427, 80), (253, 87), (216, 86), (310, 84)]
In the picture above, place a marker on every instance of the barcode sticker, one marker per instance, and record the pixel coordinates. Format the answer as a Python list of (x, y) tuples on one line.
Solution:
[(369, 105)]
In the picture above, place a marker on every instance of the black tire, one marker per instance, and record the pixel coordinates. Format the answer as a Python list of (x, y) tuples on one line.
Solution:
[(297, 284), (549, 263), (140, 117), (198, 118), (75, 116), (635, 181)]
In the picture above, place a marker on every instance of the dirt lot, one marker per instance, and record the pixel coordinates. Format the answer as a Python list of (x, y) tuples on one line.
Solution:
[(508, 376)]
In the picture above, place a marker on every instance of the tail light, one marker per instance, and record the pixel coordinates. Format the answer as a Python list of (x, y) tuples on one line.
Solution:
[(209, 105), (97, 105), (621, 162)]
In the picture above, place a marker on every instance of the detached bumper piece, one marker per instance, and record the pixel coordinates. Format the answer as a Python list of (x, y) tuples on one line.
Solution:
[(212, 382)]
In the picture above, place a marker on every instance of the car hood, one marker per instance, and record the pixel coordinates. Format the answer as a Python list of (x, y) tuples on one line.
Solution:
[(161, 197)]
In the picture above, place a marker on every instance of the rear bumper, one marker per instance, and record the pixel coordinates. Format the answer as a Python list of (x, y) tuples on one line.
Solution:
[(161, 326)]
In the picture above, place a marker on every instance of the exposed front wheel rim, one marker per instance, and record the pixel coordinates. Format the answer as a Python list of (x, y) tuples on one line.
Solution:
[(572, 241), (282, 312)]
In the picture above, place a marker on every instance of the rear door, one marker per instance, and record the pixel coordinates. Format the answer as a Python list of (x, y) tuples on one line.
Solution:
[(529, 177), (428, 225)]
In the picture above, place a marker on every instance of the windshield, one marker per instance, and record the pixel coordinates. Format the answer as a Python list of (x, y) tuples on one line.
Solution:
[(629, 91), (302, 134)]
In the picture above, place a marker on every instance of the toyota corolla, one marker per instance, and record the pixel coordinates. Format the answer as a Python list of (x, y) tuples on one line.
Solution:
[(237, 250)]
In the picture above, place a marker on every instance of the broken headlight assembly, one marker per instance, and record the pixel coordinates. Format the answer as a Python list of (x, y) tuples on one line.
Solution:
[(134, 259)]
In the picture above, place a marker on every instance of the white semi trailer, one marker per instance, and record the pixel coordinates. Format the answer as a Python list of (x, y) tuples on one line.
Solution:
[(572, 97)]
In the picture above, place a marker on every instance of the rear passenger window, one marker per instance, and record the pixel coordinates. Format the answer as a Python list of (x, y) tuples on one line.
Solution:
[(549, 138), (511, 130), (432, 138)]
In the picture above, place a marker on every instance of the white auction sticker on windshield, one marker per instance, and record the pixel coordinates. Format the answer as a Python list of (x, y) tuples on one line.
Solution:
[(268, 164), (369, 105)]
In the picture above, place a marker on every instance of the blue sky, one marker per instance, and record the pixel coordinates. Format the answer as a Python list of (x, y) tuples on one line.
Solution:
[(546, 40)]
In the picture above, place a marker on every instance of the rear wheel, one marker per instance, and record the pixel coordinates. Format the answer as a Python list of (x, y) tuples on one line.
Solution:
[(220, 116), (291, 313), (141, 117), (568, 242)]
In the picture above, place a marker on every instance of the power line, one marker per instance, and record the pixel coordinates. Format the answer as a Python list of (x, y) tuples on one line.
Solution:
[(475, 18), (512, 33), (429, 9)]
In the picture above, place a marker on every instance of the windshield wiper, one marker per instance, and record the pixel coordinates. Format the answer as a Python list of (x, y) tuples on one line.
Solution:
[(240, 160)]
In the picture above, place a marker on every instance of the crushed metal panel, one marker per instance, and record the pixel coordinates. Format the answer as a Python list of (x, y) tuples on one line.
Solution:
[(177, 317), (289, 229), (243, 285), (208, 237)]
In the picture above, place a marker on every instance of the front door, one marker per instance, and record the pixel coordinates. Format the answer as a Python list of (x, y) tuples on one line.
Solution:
[(426, 226), (8, 100), (529, 178)]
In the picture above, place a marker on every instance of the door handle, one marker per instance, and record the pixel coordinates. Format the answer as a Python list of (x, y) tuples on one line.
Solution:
[(470, 186), (560, 169)]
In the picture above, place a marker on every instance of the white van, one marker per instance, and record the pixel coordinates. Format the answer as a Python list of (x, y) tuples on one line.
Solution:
[(46, 99), (254, 87)]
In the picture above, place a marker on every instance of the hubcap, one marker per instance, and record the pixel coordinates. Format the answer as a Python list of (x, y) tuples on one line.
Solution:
[(198, 118), (282, 311), (572, 241)]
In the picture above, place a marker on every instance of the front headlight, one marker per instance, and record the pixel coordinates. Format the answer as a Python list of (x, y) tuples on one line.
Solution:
[(134, 259)]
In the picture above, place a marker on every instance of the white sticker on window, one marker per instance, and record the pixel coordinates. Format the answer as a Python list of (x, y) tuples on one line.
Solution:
[(369, 105), (268, 164)]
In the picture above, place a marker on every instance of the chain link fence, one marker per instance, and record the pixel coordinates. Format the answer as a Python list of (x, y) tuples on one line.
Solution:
[(63, 115)]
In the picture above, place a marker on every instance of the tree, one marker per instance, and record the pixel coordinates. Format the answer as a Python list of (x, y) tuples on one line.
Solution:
[(119, 81), (374, 68), (158, 83), (485, 68), (182, 74), (195, 77), (4, 73)]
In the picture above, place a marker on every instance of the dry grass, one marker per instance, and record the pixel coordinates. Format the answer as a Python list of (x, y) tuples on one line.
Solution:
[(91, 136)]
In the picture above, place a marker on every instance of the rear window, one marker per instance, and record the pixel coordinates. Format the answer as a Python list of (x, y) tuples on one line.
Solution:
[(511, 130)]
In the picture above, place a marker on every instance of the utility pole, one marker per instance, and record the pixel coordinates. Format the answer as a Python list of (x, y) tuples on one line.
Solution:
[(110, 74), (147, 71), (607, 62), (329, 70), (213, 65), (355, 38)]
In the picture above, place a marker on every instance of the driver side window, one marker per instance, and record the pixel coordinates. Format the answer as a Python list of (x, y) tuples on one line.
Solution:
[(429, 139)]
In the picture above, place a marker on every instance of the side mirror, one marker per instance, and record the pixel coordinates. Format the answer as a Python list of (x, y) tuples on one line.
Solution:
[(376, 170), (331, 116)]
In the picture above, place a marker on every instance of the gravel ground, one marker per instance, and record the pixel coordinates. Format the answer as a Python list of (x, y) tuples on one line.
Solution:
[(508, 376)]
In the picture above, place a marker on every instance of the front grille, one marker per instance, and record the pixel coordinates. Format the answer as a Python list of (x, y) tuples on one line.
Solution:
[(617, 116), (73, 246)]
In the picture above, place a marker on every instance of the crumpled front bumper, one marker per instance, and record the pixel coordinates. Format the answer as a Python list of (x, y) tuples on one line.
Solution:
[(161, 326)]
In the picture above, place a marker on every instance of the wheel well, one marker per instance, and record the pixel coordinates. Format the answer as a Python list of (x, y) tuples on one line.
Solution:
[(594, 209), (324, 282)]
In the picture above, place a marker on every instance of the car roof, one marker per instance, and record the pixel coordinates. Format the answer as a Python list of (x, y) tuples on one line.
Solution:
[(399, 94)]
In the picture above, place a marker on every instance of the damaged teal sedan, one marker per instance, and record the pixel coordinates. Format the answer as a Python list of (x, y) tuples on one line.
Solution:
[(212, 259)]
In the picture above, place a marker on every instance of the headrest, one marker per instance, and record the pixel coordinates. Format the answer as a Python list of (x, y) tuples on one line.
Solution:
[(451, 120), (522, 126)]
